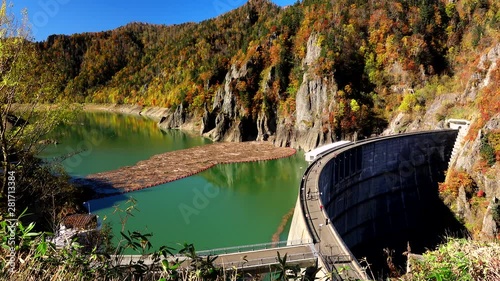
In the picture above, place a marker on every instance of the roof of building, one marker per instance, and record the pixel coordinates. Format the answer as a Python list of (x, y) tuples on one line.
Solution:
[(321, 149), (80, 221)]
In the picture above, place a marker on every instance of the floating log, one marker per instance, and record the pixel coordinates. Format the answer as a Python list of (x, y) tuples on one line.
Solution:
[(175, 165)]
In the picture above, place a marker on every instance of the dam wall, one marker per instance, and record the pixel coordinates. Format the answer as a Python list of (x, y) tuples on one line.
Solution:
[(384, 192), (298, 229)]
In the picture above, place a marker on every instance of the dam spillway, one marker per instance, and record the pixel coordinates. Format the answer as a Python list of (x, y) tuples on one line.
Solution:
[(382, 193)]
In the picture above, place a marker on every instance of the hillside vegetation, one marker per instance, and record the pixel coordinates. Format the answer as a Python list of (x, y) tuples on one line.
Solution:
[(311, 73), (364, 59)]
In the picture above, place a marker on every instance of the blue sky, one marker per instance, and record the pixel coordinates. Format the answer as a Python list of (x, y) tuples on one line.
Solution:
[(75, 16)]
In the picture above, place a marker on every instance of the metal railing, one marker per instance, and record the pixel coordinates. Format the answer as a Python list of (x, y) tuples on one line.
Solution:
[(267, 261), (254, 247)]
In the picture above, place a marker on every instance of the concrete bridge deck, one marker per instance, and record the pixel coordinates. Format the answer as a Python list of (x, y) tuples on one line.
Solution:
[(251, 260)]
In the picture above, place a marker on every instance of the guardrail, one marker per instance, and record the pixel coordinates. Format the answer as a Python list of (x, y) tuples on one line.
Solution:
[(268, 261), (241, 263), (254, 247), (303, 205)]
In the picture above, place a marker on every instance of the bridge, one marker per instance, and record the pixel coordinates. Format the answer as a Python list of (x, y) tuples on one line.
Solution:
[(254, 258), (375, 192)]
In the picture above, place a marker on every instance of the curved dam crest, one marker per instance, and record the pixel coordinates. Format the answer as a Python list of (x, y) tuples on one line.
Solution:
[(380, 193)]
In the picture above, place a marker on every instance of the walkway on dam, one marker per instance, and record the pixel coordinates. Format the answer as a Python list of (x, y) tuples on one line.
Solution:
[(330, 246), (249, 258)]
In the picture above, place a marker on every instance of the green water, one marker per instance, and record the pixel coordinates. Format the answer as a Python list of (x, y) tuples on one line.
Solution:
[(106, 141), (228, 205)]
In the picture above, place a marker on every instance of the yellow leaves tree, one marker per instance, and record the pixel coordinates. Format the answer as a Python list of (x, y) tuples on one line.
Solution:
[(21, 126)]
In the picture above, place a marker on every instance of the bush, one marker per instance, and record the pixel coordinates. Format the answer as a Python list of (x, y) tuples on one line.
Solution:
[(495, 212), (458, 259), (455, 180), (487, 151)]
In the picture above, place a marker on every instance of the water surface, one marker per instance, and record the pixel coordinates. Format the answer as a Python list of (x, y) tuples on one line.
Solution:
[(228, 205)]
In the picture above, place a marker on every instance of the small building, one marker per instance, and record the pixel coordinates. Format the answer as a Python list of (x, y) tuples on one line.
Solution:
[(75, 226), (457, 124), (80, 221), (318, 151)]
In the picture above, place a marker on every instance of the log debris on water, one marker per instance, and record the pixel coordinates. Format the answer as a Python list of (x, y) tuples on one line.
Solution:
[(174, 165)]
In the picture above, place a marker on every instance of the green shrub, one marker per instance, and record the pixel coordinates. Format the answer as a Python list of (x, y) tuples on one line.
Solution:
[(458, 259), (495, 212), (487, 151)]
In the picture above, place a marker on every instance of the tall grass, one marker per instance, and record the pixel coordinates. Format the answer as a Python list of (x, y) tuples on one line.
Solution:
[(458, 259)]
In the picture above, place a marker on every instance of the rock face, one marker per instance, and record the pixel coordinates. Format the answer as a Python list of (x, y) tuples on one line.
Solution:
[(430, 120), (470, 155), (174, 120), (490, 227), (225, 120), (481, 78), (487, 181), (312, 103), (490, 184)]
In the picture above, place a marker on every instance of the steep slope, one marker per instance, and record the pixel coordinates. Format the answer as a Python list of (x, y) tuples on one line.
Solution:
[(311, 73), (472, 187)]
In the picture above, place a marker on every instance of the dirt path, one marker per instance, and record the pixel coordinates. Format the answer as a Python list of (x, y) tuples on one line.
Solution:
[(171, 166)]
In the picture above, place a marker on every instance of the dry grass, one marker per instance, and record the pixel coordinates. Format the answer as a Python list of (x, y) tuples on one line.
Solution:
[(459, 259)]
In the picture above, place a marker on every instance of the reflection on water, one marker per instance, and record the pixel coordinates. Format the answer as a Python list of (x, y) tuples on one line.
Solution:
[(260, 174), (100, 142), (228, 205)]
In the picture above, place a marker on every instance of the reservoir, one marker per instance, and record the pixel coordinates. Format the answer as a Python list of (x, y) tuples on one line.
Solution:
[(227, 205)]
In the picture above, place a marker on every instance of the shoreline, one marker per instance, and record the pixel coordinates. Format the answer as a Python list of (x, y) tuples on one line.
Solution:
[(140, 176), (174, 165), (155, 113)]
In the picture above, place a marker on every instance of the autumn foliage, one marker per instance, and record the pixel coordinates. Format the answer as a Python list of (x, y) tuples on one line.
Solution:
[(456, 180), (373, 52)]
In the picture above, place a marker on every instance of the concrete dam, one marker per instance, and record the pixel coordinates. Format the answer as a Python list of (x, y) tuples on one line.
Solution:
[(355, 200), (374, 194)]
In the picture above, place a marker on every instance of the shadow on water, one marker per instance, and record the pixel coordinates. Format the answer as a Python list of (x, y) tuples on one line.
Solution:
[(103, 194)]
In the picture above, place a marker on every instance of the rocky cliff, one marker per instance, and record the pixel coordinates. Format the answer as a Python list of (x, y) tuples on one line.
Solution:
[(224, 119), (308, 74), (476, 202)]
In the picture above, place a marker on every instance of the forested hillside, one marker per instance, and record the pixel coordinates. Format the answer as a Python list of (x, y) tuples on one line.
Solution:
[(309, 73)]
